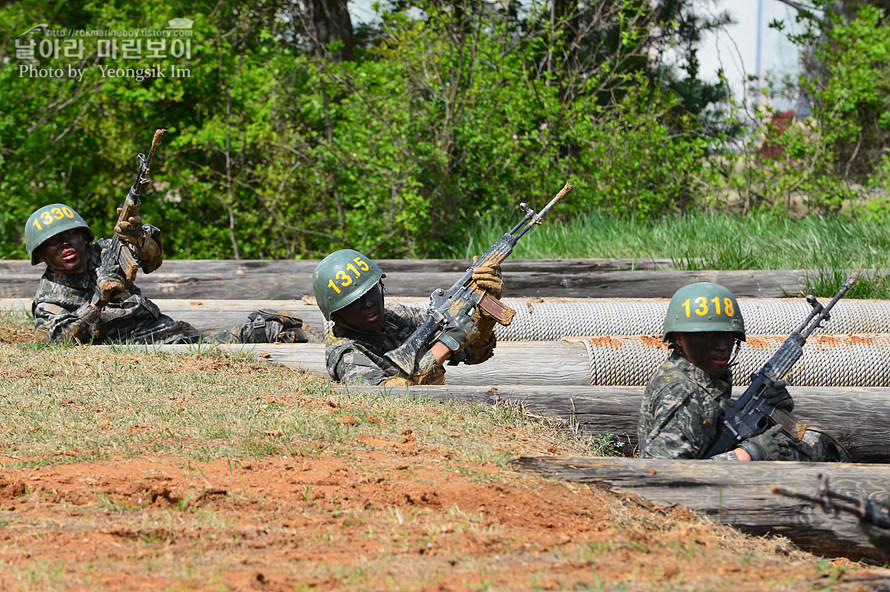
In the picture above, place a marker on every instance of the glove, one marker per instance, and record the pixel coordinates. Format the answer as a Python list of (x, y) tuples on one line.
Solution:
[(459, 333), (151, 253), (770, 445), (482, 349), (778, 396), (130, 230), (879, 537), (488, 277), (110, 281)]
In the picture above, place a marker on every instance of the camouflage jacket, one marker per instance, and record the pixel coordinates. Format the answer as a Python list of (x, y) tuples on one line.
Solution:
[(62, 311), (682, 414), (355, 357), (682, 411)]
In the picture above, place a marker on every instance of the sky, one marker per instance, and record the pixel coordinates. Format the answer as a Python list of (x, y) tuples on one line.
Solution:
[(734, 48)]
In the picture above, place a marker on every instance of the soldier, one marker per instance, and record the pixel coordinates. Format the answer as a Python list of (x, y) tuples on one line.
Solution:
[(682, 407), (84, 296), (349, 290)]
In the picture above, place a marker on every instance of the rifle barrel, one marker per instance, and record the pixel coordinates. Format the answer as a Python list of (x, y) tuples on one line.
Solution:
[(823, 314), (536, 219)]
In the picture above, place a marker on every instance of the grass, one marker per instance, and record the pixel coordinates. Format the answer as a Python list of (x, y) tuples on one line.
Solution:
[(64, 404), (827, 247)]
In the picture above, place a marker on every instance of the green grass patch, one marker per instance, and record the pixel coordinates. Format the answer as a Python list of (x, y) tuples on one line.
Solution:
[(827, 247), (65, 404)]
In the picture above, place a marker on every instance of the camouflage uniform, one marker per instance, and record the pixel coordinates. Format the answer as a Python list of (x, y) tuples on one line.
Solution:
[(682, 412), (62, 311), (354, 357)]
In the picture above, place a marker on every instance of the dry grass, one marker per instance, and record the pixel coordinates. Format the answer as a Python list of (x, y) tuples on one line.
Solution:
[(62, 403)]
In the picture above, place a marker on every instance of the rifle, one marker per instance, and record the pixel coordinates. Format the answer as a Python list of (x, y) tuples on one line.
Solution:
[(750, 414), (464, 295), (825, 498), (127, 259)]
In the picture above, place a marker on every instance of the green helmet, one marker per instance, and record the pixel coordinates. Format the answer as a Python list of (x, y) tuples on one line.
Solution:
[(341, 278), (703, 307), (47, 222)]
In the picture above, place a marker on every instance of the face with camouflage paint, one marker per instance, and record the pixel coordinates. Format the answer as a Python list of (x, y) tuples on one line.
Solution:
[(709, 350), (65, 252), (364, 314)]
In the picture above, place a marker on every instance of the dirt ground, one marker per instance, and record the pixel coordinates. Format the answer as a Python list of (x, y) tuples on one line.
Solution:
[(387, 515), (389, 520)]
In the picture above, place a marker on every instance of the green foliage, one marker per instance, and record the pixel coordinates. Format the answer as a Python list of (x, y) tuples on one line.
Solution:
[(829, 246), (277, 148), (836, 158), (851, 126)]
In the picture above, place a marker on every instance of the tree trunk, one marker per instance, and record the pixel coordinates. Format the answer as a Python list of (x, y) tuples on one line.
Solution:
[(332, 23)]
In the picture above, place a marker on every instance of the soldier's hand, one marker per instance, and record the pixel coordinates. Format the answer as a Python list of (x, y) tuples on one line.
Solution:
[(877, 536), (778, 396), (459, 333), (488, 277), (110, 281), (770, 445), (130, 230)]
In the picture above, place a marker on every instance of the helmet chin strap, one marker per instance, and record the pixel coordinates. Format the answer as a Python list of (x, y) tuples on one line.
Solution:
[(735, 353)]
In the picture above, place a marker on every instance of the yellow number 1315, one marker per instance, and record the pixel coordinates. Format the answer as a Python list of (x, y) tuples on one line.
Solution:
[(344, 278)]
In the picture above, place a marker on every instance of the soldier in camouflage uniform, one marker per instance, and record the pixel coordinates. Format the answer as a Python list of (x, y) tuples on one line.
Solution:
[(683, 404), (349, 292), (83, 295)]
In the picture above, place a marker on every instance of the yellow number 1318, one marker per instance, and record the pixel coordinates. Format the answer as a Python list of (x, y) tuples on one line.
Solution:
[(701, 306)]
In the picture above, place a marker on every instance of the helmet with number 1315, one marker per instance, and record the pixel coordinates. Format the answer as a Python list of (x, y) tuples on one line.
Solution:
[(341, 278)]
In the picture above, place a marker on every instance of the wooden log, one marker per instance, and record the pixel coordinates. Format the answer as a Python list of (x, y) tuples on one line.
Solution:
[(560, 364), (737, 494), (291, 280), (856, 417), (562, 283), (552, 319), (628, 361), (288, 266)]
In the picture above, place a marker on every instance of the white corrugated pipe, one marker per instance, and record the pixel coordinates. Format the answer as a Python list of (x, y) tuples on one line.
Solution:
[(552, 319), (828, 360)]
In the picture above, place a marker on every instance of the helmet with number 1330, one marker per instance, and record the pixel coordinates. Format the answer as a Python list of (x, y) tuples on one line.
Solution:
[(47, 222)]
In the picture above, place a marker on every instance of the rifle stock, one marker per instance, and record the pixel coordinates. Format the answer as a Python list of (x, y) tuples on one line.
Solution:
[(750, 414), (464, 295)]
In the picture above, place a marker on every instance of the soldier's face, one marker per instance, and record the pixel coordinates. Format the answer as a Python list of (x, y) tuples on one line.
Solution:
[(709, 350), (365, 314), (65, 252)]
